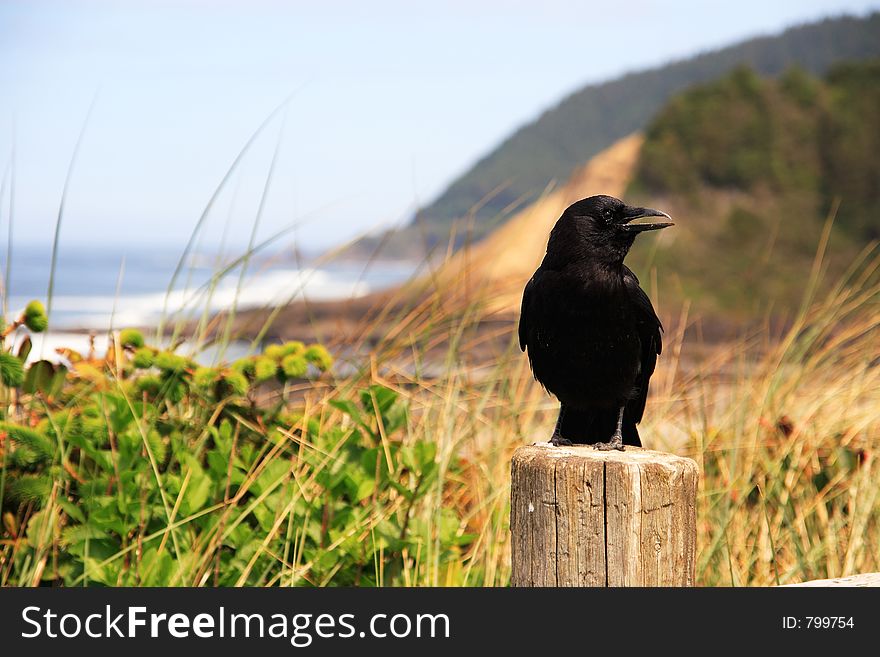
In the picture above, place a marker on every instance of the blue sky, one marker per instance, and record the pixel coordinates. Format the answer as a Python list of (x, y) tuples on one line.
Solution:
[(391, 101)]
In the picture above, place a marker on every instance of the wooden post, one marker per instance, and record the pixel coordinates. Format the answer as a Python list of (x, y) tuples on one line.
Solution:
[(581, 517)]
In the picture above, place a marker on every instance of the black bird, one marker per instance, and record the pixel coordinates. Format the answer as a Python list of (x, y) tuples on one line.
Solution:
[(591, 332)]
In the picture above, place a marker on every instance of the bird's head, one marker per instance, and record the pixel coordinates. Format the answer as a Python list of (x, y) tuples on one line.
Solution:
[(601, 228)]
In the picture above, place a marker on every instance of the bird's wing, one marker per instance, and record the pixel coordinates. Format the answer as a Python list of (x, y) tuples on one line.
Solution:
[(649, 329), (526, 311)]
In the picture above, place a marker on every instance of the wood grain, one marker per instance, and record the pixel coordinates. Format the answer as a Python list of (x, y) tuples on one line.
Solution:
[(581, 517)]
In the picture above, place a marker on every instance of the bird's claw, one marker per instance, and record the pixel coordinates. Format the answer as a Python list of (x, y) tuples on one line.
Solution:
[(559, 441), (616, 442)]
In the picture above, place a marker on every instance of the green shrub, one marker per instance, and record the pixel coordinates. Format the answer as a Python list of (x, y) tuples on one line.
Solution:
[(798, 136), (120, 457), (264, 369), (318, 356), (170, 362), (131, 338), (279, 351), (115, 446), (235, 383), (11, 370), (151, 385), (294, 366), (35, 317), (244, 366), (206, 377), (143, 358)]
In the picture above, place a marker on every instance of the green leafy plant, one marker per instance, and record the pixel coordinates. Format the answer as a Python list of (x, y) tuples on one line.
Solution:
[(163, 472), (42, 376)]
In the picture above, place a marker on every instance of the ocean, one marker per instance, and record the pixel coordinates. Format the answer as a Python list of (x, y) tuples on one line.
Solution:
[(99, 289)]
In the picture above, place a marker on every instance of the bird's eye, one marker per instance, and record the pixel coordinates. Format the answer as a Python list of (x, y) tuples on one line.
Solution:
[(607, 214)]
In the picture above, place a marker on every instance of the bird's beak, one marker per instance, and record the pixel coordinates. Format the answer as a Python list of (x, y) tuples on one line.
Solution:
[(631, 214)]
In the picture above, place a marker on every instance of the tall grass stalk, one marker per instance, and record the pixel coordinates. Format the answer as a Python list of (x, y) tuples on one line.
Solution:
[(61, 206), (196, 231)]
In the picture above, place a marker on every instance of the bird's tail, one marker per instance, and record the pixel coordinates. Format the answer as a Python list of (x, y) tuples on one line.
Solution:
[(597, 426)]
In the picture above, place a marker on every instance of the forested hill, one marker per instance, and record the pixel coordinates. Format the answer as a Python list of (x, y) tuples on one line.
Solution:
[(751, 168), (795, 136), (593, 118)]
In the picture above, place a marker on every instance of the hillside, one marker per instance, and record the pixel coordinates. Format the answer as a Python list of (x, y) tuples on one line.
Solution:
[(751, 168), (586, 122), (748, 167), (498, 267)]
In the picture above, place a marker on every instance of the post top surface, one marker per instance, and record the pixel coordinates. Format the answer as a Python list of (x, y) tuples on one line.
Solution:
[(588, 452)]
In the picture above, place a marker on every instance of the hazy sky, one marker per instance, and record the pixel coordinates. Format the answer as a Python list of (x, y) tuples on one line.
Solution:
[(392, 100)]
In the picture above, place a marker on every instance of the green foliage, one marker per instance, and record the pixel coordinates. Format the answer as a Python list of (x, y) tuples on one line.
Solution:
[(294, 366), (143, 358), (280, 351), (101, 467), (123, 455), (11, 370), (149, 385), (170, 362), (35, 317), (751, 169), (24, 349), (264, 368), (800, 86), (720, 134), (744, 224), (236, 383), (44, 377), (37, 323), (796, 136), (30, 488), (849, 141), (274, 351), (286, 361), (131, 338), (206, 377), (293, 347), (40, 446), (244, 366), (318, 356)]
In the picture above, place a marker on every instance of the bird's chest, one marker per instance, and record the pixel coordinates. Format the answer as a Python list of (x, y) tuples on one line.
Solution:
[(584, 343), (595, 314), (590, 357), (604, 332)]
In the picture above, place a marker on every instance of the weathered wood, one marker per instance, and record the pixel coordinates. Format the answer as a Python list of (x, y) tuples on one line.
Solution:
[(581, 517), (865, 579)]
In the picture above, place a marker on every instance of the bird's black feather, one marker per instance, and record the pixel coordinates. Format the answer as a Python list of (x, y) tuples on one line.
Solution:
[(650, 335), (590, 331)]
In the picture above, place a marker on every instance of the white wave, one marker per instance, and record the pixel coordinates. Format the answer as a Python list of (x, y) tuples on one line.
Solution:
[(43, 345), (268, 288)]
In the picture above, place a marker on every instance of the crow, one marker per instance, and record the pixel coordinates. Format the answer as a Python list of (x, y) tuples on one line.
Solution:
[(591, 332)]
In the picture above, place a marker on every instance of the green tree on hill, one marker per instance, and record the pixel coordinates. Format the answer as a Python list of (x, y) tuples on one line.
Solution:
[(794, 136)]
